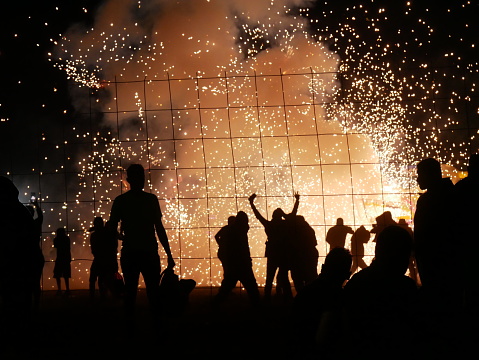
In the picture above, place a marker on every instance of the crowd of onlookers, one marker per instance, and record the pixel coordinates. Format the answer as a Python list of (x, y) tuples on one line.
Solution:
[(380, 310)]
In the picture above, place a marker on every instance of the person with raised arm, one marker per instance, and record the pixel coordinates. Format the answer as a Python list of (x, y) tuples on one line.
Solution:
[(276, 232)]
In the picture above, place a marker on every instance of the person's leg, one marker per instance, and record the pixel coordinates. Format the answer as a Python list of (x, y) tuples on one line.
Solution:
[(151, 271), (37, 282), (59, 285), (271, 268), (283, 282), (67, 275), (248, 280), (93, 277), (67, 286), (298, 276), (131, 275), (102, 278)]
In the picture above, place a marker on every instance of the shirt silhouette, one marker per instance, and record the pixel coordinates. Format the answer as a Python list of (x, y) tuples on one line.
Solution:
[(336, 235)]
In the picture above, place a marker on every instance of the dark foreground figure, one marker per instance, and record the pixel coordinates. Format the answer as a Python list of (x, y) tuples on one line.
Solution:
[(140, 217), (318, 309), (381, 301), (235, 257)]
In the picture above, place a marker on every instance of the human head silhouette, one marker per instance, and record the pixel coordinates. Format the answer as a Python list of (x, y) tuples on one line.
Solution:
[(61, 232), (278, 214), (241, 217), (135, 175), (231, 220), (8, 191), (393, 249), (428, 173), (241, 222), (339, 221), (98, 222), (337, 264)]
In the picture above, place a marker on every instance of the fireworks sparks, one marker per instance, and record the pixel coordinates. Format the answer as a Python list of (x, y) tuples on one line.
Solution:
[(220, 99)]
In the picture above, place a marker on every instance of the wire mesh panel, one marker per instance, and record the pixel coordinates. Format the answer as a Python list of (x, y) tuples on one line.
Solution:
[(209, 143)]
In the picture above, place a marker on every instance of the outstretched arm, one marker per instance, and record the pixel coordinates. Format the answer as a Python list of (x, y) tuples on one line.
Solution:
[(161, 233), (296, 205), (260, 217), (115, 216)]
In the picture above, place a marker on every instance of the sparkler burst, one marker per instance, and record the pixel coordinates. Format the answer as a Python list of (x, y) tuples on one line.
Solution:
[(220, 99)]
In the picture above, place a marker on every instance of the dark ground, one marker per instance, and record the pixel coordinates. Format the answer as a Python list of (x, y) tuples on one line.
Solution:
[(77, 327)]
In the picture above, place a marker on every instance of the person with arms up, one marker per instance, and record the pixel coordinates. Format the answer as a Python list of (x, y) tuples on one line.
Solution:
[(276, 231)]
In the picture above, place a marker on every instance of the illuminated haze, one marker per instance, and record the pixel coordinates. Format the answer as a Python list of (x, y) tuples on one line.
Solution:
[(192, 90)]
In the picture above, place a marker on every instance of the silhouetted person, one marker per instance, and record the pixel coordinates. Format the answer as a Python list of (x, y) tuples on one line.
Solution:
[(235, 257), (39, 259), (18, 244), (434, 235), (360, 237), (95, 242), (467, 191), (303, 253), (276, 259), (317, 309), (104, 247), (223, 237), (113, 278), (62, 268), (140, 216), (382, 221), (336, 235), (381, 299)]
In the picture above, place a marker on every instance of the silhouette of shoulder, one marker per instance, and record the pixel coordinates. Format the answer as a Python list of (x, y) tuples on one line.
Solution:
[(138, 212)]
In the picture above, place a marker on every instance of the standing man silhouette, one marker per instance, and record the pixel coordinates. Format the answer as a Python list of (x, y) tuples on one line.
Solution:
[(140, 216), (336, 235), (434, 226)]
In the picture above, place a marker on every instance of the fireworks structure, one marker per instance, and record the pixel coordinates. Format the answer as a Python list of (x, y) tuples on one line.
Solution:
[(220, 99)]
